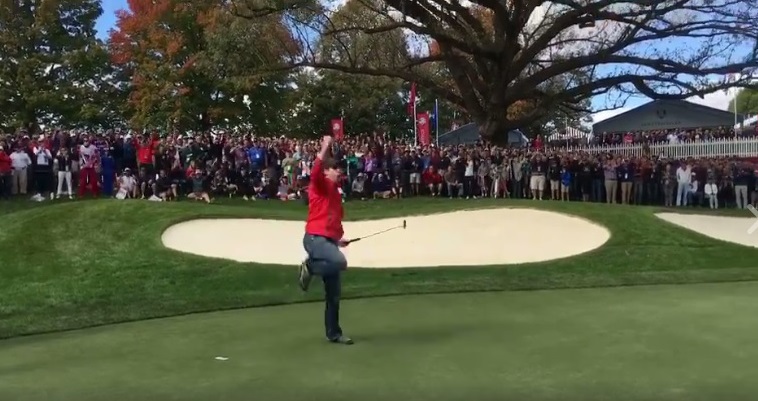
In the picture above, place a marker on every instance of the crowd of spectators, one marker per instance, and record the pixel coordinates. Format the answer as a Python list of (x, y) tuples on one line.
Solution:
[(206, 166), (651, 137)]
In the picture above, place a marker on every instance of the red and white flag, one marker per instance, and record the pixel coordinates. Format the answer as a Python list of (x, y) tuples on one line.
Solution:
[(338, 129), (412, 100), (424, 131)]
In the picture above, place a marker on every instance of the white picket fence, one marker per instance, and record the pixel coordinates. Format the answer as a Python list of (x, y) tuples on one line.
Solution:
[(740, 147)]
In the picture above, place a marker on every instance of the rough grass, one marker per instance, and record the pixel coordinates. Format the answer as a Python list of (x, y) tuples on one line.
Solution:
[(79, 264)]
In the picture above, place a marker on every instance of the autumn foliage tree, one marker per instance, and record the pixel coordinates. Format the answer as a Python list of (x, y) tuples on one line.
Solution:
[(192, 64)]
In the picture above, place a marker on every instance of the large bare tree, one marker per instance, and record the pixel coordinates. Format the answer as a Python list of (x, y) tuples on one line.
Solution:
[(488, 56)]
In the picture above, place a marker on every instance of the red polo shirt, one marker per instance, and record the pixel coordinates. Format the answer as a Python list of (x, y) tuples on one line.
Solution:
[(324, 205)]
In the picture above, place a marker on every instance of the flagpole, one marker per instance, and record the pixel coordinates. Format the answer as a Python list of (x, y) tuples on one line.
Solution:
[(437, 121), (415, 129), (735, 108)]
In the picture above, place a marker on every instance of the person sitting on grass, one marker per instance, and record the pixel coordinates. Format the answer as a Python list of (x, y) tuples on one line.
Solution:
[(358, 190), (284, 191), (222, 185), (397, 186), (145, 183), (260, 182), (302, 189), (433, 181), (217, 184), (454, 186), (245, 183), (381, 186), (126, 185), (200, 187), (164, 187)]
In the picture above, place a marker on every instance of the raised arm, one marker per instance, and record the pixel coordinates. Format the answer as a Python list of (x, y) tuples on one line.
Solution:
[(317, 172)]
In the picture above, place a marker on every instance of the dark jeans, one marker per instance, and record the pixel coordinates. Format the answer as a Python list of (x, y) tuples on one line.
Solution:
[(517, 188), (6, 183), (326, 260), (468, 186), (639, 192), (43, 179), (651, 192), (597, 190)]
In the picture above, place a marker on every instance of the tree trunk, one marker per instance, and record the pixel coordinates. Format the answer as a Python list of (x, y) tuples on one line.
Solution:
[(205, 122), (495, 130), (30, 122)]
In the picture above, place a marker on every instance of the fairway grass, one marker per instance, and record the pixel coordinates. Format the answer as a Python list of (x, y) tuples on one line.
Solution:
[(80, 264), (688, 343)]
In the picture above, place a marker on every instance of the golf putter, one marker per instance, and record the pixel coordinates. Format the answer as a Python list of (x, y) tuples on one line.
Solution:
[(377, 233)]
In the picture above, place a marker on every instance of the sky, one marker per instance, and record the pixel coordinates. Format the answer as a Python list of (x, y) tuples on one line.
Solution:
[(108, 19), (719, 100)]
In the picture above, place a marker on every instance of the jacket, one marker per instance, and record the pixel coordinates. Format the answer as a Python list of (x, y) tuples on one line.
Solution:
[(5, 163), (324, 206)]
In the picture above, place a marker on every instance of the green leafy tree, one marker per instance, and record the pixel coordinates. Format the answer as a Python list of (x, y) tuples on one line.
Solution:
[(535, 57), (51, 63), (367, 103), (747, 101)]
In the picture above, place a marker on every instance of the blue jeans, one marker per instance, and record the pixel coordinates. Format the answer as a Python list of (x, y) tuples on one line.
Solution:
[(682, 189), (597, 190), (326, 260)]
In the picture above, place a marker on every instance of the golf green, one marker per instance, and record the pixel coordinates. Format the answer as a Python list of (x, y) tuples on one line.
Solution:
[(686, 342)]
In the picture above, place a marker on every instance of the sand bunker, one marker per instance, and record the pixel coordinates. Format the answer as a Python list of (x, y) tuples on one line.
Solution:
[(731, 229), (465, 238)]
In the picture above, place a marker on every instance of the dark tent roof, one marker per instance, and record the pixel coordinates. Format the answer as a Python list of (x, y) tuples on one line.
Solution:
[(469, 134), (666, 114), (466, 134)]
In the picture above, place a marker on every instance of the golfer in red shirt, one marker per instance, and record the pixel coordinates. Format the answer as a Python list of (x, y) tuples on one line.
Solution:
[(323, 238)]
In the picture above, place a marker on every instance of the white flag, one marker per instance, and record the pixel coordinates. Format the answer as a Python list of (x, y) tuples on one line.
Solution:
[(572, 132)]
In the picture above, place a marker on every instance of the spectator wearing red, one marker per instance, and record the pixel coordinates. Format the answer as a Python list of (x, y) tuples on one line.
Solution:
[(89, 159), (433, 180), (6, 174), (435, 159), (155, 141), (538, 143), (190, 171), (145, 154)]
